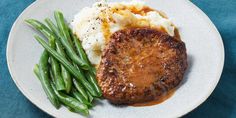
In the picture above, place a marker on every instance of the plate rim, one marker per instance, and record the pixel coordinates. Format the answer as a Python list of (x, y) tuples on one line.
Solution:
[(203, 99), (222, 54)]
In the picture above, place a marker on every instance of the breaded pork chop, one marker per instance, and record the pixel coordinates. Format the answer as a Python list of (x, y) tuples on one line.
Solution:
[(140, 64)]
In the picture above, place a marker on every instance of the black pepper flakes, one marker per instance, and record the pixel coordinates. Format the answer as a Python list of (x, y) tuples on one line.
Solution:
[(99, 5)]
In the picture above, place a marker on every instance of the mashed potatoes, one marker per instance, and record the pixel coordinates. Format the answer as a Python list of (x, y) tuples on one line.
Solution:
[(94, 25)]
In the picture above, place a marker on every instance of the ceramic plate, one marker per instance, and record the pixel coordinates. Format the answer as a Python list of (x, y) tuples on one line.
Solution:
[(204, 47)]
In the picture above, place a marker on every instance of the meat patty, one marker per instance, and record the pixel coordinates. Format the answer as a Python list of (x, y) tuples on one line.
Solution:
[(140, 64)]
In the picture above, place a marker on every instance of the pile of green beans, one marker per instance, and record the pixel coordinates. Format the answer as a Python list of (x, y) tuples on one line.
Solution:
[(66, 75)]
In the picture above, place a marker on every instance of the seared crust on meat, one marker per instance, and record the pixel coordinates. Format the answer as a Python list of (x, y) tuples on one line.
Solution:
[(140, 64)]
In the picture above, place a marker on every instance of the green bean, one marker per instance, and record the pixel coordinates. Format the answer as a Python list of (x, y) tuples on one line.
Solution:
[(79, 48), (65, 74), (52, 27), (71, 102), (78, 75), (90, 97), (79, 97), (80, 88), (81, 52), (51, 75), (92, 81), (51, 37), (63, 27), (91, 78), (70, 109), (67, 79), (36, 71), (64, 38), (59, 82), (55, 29), (90, 75), (44, 79), (40, 27), (68, 36)]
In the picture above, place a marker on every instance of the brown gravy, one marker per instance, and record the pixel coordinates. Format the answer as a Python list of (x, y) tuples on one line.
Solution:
[(157, 101)]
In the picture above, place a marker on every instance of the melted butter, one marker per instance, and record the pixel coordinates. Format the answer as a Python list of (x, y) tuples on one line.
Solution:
[(157, 100)]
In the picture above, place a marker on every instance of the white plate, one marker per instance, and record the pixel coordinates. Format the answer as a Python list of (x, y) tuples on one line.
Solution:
[(204, 47)]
